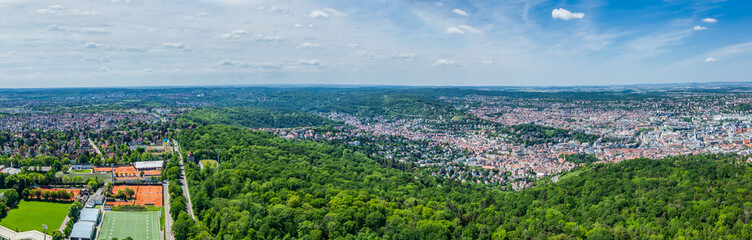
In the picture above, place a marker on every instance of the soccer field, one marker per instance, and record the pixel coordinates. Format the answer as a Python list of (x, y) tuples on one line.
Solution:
[(137, 225), (30, 215)]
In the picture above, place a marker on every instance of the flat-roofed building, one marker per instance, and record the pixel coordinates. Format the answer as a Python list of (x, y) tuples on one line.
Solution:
[(148, 165), (83, 230), (81, 166), (7, 234), (90, 215)]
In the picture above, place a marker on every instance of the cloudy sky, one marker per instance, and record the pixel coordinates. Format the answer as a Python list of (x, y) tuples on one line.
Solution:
[(474, 42)]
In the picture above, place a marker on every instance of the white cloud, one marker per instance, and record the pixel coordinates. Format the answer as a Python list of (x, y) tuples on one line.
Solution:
[(104, 69), (92, 45), (444, 62), (652, 45), (454, 30), (462, 29), (318, 14), (404, 56), (54, 27), (335, 13), (273, 9), (234, 35), (307, 45), (177, 45), (268, 38), (197, 17), (363, 43), (61, 10), (56, 7), (727, 53), (52, 9), (326, 13), (298, 25), (244, 64), (310, 62), (710, 20), (228, 62), (698, 28), (740, 49), (83, 13), (85, 30), (470, 29), (460, 12), (565, 15)]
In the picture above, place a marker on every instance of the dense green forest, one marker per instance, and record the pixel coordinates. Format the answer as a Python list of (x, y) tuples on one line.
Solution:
[(394, 101), (255, 118), (272, 188), (579, 158)]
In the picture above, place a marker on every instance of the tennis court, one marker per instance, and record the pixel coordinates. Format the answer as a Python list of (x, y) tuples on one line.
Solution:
[(146, 195), (137, 225)]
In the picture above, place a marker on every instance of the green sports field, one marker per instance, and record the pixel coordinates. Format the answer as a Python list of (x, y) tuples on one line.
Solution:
[(30, 215), (107, 177), (137, 225)]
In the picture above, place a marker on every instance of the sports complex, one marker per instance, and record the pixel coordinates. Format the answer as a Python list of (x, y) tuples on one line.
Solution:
[(131, 205), (137, 225), (129, 218), (146, 195)]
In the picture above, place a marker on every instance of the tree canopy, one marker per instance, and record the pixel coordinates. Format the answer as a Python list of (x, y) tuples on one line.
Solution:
[(275, 188)]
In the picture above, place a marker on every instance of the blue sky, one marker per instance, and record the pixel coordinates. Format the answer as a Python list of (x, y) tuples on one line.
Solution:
[(175, 43)]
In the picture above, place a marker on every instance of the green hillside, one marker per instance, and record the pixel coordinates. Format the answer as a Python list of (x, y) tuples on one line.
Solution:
[(272, 188), (254, 118)]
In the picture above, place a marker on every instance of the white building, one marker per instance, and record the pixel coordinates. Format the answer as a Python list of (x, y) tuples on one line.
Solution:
[(7, 234)]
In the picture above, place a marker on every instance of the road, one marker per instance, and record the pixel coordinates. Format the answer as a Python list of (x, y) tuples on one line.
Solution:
[(168, 218), (65, 224), (96, 149), (187, 194)]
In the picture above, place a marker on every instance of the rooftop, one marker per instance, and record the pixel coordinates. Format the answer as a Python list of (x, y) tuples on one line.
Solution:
[(13, 235), (89, 214), (82, 230), (148, 164)]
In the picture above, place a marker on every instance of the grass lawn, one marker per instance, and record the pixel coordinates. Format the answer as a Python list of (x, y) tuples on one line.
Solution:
[(30, 215), (571, 174), (160, 209), (82, 171), (208, 163), (137, 225), (104, 176)]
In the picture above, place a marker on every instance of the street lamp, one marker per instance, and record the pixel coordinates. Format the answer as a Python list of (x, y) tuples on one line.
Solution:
[(44, 226)]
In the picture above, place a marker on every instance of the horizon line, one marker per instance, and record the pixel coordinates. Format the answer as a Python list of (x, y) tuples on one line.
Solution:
[(314, 85)]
